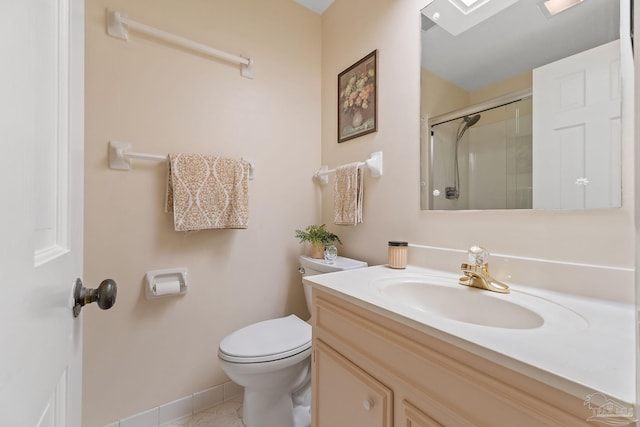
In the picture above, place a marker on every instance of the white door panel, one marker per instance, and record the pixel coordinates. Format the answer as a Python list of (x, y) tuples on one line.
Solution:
[(576, 120), (42, 86)]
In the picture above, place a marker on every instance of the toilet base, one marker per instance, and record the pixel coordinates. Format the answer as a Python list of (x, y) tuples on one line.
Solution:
[(302, 416), (264, 409), (276, 394), (302, 404)]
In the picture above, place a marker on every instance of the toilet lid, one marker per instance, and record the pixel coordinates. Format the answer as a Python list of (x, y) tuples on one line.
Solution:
[(265, 341)]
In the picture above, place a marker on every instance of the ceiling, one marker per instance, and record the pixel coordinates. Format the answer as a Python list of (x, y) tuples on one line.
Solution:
[(457, 16), (516, 40), (318, 6)]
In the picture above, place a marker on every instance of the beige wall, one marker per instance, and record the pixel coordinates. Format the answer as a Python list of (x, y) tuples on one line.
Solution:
[(439, 96), (161, 98), (392, 203), (512, 84)]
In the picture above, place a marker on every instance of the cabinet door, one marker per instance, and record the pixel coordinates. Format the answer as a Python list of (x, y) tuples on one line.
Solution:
[(414, 417), (345, 395)]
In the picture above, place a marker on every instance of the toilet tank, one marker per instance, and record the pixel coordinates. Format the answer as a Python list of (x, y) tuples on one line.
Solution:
[(312, 266)]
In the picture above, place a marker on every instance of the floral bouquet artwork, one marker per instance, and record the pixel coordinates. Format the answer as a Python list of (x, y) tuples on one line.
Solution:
[(357, 99)]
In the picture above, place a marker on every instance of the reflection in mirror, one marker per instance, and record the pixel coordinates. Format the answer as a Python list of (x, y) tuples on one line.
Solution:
[(504, 130), (522, 110)]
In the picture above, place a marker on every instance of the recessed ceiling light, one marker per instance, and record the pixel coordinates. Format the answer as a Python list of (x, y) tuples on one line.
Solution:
[(556, 6)]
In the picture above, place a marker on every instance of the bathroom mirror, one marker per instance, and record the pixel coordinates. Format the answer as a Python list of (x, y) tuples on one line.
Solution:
[(523, 109)]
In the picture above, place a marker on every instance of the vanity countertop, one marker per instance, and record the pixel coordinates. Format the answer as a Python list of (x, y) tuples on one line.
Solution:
[(597, 357)]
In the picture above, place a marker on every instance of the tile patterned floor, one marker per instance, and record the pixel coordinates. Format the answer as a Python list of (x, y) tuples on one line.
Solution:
[(227, 414)]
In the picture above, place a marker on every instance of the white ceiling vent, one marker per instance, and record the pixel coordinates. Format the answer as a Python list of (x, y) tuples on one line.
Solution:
[(553, 7)]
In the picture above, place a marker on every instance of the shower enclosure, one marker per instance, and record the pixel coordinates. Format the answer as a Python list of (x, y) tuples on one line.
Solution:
[(482, 159)]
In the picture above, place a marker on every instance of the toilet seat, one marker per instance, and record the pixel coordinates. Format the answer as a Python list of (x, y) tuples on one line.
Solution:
[(267, 341)]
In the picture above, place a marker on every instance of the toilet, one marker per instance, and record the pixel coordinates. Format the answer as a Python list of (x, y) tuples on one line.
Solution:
[(272, 360)]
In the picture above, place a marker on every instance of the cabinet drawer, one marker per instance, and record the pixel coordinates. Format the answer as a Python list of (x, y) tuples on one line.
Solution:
[(348, 396)]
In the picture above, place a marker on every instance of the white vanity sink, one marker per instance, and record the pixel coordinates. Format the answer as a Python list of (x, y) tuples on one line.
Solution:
[(443, 296), (570, 342)]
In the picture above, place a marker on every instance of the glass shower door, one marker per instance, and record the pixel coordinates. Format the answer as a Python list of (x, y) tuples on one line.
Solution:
[(487, 160)]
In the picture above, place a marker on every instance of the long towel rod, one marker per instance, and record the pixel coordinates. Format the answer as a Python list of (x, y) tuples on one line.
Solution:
[(373, 163), (120, 154), (118, 26)]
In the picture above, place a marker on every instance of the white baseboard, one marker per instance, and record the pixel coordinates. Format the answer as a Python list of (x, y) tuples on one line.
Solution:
[(183, 407)]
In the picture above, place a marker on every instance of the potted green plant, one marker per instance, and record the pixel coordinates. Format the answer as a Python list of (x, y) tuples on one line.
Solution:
[(319, 237)]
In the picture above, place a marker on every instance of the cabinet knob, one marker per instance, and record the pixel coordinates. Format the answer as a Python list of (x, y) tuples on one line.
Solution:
[(368, 404)]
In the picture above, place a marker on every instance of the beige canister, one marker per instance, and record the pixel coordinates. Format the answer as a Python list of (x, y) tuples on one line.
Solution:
[(398, 254)]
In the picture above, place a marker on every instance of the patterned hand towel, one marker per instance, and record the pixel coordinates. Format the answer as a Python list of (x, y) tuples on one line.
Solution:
[(347, 195), (206, 192)]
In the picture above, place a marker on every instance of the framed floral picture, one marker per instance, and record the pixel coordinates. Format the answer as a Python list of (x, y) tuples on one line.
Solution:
[(357, 99)]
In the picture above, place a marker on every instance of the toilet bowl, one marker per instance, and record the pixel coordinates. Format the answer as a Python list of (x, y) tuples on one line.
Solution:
[(271, 360)]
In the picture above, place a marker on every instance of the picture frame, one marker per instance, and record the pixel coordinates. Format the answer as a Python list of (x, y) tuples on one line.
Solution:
[(358, 98)]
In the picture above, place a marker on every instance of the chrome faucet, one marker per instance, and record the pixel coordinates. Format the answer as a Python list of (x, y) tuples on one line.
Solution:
[(476, 272)]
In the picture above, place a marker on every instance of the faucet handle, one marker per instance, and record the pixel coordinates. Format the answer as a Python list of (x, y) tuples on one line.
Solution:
[(478, 256)]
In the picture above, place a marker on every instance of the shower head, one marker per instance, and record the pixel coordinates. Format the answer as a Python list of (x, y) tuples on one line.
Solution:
[(470, 121), (466, 123)]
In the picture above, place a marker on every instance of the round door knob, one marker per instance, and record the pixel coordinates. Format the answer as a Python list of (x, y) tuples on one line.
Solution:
[(368, 404), (104, 295)]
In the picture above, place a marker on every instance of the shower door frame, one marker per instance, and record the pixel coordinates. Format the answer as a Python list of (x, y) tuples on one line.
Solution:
[(480, 107)]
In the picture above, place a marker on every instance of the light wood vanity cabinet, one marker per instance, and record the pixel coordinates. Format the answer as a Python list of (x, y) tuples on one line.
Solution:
[(414, 417), (370, 371), (350, 397)]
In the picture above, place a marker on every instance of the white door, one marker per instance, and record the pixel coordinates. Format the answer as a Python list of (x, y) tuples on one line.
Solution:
[(576, 131), (41, 186)]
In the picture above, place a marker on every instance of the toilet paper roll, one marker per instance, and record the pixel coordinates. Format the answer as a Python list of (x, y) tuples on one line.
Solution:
[(167, 288)]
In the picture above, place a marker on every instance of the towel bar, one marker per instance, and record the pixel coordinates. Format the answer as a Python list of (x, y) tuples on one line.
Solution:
[(373, 163), (120, 154), (118, 26)]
